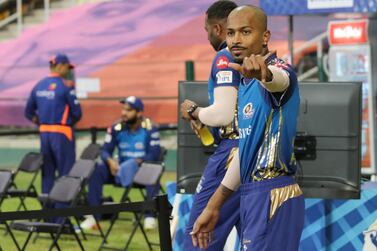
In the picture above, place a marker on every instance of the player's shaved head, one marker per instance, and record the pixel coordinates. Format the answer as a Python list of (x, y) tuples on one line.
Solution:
[(247, 32), (253, 14)]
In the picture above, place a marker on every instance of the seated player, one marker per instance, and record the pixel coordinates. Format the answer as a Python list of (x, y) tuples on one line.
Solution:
[(136, 140)]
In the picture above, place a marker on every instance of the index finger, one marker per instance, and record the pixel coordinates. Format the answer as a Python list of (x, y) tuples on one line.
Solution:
[(194, 239), (263, 70), (236, 67), (194, 234)]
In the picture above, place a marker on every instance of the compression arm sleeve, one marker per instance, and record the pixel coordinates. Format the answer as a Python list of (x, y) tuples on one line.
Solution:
[(232, 178), (279, 82), (221, 112)]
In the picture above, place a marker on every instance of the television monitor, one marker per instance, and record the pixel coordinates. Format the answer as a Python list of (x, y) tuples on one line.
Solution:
[(327, 145)]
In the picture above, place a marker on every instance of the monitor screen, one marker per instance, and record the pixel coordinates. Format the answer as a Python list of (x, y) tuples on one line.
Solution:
[(328, 142), (331, 112)]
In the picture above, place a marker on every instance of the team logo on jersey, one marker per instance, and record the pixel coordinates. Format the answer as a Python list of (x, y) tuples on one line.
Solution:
[(224, 77), (139, 145), (222, 62), (52, 87), (248, 111)]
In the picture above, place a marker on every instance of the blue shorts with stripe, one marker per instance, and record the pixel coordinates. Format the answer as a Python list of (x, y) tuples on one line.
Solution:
[(213, 174), (272, 215)]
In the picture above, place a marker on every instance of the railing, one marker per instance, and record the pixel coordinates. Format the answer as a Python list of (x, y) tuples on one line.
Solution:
[(318, 41), (18, 16)]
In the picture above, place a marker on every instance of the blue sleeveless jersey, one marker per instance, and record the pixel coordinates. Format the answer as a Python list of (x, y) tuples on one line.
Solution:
[(267, 127)]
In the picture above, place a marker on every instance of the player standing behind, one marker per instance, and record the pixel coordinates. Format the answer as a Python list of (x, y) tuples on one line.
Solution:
[(53, 106), (221, 114), (272, 204)]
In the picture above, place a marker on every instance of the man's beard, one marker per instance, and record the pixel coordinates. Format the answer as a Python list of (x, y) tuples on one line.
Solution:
[(238, 60), (131, 122)]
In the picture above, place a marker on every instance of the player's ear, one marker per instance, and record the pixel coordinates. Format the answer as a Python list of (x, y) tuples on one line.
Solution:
[(218, 29), (266, 37)]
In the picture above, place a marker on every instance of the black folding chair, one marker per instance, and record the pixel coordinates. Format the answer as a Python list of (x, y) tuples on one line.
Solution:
[(65, 190), (92, 151), (161, 161), (84, 168), (31, 163), (149, 173), (5, 183), (163, 152)]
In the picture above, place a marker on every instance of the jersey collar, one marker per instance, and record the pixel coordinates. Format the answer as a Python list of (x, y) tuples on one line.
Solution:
[(54, 75), (271, 58), (222, 46)]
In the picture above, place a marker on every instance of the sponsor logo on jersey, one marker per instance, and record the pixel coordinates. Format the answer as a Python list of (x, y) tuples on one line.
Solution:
[(155, 135), (244, 132), (222, 62), (130, 154), (46, 94), (224, 77)]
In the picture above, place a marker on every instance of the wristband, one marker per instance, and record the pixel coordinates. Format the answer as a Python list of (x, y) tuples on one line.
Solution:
[(191, 110)]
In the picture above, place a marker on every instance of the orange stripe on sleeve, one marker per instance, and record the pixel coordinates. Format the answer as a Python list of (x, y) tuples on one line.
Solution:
[(65, 115)]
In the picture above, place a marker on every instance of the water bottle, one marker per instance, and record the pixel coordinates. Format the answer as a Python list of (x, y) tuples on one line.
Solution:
[(206, 136), (203, 133)]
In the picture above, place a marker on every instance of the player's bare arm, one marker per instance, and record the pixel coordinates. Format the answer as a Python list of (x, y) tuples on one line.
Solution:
[(202, 233), (204, 226)]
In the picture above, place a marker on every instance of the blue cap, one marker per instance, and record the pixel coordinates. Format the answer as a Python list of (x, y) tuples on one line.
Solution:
[(135, 102), (61, 59)]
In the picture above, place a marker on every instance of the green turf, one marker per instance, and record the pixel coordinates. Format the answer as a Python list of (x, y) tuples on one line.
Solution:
[(11, 156), (117, 238)]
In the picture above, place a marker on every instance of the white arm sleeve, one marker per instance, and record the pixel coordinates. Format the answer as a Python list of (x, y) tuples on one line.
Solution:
[(232, 178), (221, 112), (280, 80)]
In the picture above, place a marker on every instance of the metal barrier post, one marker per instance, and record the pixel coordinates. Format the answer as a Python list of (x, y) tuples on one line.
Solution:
[(190, 71), (47, 9), (321, 72), (290, 39), (93, 134), (164, 222), (19, 16)]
